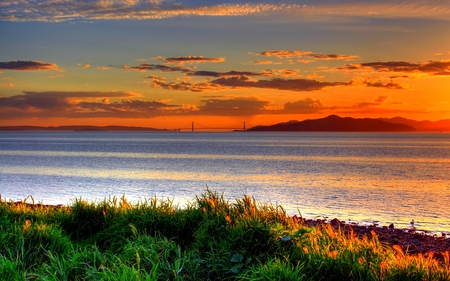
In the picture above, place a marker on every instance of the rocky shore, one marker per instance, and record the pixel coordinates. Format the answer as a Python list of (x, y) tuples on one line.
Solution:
[(412, 241)]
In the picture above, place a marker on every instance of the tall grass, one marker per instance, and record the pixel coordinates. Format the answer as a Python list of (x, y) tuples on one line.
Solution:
[(211, 239)]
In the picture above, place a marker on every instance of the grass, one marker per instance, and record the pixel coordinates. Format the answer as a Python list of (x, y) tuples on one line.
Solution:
[(211, 239)]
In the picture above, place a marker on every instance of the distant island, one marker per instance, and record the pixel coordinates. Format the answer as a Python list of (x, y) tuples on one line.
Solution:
[(334, 123), (79, 128)]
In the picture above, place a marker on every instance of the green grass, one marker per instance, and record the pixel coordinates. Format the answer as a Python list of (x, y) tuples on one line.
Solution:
[(211, 239)]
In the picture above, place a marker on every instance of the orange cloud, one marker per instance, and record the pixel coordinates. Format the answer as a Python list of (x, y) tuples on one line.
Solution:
[(287, 54), (21, 65)]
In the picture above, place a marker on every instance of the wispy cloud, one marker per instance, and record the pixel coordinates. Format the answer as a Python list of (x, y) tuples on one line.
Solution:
[(69, 10), (21, 65)]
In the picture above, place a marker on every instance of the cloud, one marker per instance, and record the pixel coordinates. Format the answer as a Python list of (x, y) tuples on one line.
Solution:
[(232, 80), (6, 85), (266, 62), (86, 65), (227, 73), (103, 68), (70, 10), (283, 54), (276, 83), (186, 86), (288, 54), (307, 105), (192, 59), (391, 85), (21, 65), (245, 82), (240, 106), (85, 105), (379, 101), (430, 67), (374, 82), (159, 67)]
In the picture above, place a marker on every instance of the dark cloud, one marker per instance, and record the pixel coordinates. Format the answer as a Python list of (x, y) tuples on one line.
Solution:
[(379, 101), (332, 57), (192, 59), (83, 105), (21, 65), (391, 85), (369, 82), (307, 105), (279, 84), (241, 106), (54, 100), (159, 67), (185, 86), (431, 67), (224, 74)]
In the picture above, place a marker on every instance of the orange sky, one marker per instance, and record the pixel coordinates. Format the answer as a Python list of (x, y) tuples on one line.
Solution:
[(219, 64)]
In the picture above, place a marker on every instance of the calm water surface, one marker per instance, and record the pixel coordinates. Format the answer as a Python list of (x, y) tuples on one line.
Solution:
[(362, 177)]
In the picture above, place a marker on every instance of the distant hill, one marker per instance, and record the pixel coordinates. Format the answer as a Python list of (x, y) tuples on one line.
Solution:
[(79, 128), (441, 125), (334, 123)]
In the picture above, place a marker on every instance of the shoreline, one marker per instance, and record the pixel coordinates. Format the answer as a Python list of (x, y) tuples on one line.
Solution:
[(412, 241)]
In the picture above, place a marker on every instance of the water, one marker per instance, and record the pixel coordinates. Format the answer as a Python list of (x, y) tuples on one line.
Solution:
[(359, 177)]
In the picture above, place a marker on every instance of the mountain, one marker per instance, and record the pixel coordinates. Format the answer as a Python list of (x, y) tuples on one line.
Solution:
[(80, 128), (441, 125), (335, 123)]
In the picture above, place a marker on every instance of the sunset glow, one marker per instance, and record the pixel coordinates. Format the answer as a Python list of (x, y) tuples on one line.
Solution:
[(165, 64)]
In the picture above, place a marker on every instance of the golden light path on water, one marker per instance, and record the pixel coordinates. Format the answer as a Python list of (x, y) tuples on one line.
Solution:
[(220, 156)]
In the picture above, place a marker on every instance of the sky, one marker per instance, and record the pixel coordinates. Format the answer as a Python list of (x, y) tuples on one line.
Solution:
[(165, 64)]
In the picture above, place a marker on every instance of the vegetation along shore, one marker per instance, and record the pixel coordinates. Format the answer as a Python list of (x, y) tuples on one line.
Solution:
[(211, 239)]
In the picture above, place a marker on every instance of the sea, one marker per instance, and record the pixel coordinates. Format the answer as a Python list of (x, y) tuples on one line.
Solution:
[(360, 178)]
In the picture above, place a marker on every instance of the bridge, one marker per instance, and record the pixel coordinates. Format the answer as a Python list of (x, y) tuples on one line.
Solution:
[(193, 126)]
